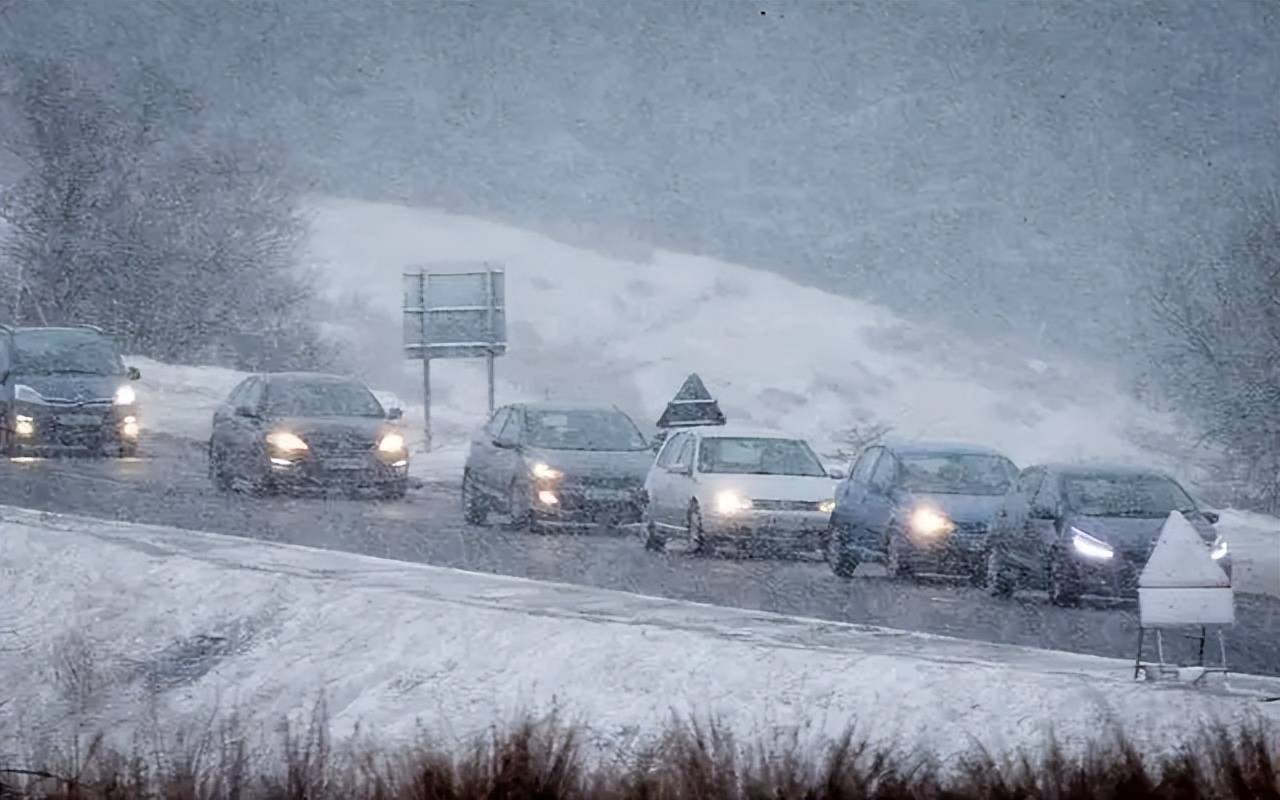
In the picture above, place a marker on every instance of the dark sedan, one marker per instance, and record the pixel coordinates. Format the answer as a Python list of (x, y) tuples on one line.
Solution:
[(551, 465), (919, 507), (1076, 530), (305, 430)]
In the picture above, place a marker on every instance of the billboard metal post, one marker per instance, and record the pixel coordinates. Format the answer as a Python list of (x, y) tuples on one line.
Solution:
[(457, 311)]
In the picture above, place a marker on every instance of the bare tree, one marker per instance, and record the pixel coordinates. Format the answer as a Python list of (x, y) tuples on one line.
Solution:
[(1217, 344)]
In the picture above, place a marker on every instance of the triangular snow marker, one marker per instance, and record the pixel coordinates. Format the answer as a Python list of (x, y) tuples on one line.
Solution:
[(1181, 560), (693, 389)]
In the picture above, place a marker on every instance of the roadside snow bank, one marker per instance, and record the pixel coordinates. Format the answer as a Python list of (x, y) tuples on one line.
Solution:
[(109, 626)]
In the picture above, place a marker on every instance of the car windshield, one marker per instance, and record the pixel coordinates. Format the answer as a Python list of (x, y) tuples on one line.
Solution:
[(321, 399), (762, 456), (957, 473), (1148, 496), (57, 352), (603, 429)]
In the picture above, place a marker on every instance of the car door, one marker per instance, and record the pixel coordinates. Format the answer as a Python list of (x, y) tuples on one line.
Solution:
[(660, 484), (878, 503), (1044, 521), (245, 442), (508, 461), (481, 462), (682, 486), (225, 411), (850, 492)]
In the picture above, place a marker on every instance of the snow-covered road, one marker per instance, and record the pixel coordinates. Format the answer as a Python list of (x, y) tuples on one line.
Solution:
[(192, 624)]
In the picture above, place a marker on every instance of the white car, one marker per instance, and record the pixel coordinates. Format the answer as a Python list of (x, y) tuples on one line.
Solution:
[(749, 490)]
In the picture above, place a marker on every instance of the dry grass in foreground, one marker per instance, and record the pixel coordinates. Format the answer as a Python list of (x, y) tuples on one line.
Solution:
[(544, 760)]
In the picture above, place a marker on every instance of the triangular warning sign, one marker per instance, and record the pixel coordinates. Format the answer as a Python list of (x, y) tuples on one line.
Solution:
[(1181, 560), (692, 406), (693, 389)]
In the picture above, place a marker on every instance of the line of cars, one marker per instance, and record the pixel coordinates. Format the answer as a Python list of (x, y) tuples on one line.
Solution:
[(913, 507)]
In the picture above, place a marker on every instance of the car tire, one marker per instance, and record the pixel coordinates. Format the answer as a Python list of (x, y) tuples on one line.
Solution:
[(128, 450), (895, 565), (697, 534), (843, 563), (1000, 579), (654, 540), (218, 470), (1064, 589), (395, 490), (475, 509)]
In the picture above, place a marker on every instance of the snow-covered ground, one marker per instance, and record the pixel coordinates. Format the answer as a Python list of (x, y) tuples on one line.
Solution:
[(232, 626)]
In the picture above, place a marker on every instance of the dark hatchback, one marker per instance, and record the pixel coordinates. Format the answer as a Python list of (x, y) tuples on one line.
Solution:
[(306, 431), (1081, 530), (65, 390), (919, 507), (550, 465)]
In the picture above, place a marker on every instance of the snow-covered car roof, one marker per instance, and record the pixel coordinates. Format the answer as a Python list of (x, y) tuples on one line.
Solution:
[(737, 432)]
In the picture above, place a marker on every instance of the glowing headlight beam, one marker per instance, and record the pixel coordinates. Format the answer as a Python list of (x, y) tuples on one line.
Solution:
[(928, 522), (24, 426), (545, 472), (1220, 549), (730, 502), (1091, 547), (286, 442), (125, 396), (391, 443), (827, 506)]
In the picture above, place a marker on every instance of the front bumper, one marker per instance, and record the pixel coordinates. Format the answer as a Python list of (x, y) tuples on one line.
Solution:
[(39, 429), (587, 506), (790, 530), (361, 471), (959, 552), (1117, 577)]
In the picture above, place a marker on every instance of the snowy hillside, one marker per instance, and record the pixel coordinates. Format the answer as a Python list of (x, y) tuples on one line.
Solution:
[(585, 325)]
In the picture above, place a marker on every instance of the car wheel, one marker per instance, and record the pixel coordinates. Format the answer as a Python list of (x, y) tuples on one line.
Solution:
[(654, 540), (475, 509), (218, 470), (697, 534), (1064, 588), (395, 490), (843, 563), (1000, 579), (895, 562)]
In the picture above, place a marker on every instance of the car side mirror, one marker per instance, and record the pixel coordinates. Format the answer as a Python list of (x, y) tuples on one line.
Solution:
[(503, 444), (395, 413), (135, 374), (1211, 517), (1043, 512), (246, 411), (836, 473)]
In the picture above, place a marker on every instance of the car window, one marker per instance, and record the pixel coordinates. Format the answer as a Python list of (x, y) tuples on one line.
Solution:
[(596, 429), (685, 459), (671, 449), (499, 419), (1046, 496), (885, 472), (252, 395), (54, 351), (957, 473), (1029, 482), (510, 430), (1121, 495), (742, 455), (862, 470)]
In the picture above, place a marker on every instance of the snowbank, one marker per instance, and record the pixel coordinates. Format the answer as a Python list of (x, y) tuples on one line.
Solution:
[(587, 326), (232, 625)]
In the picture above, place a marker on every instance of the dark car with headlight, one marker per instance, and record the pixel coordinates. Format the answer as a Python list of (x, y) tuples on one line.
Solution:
[(919, 507), (65, 389), (549, 465), (1077, 530), (302, 430)]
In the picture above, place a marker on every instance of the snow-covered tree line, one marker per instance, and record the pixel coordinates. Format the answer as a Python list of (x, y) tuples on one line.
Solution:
[(134, 210)]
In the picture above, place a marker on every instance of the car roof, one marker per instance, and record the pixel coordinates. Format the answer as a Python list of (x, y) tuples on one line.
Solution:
[(736, 432), (921, 446), (552, 406), (1082, 469), (307, 377)]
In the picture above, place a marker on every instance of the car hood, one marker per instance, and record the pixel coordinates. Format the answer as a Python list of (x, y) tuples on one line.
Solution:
[(773, 487), (1134, 533), (959, 508), (370, 427), (73, 387), (630, 464)]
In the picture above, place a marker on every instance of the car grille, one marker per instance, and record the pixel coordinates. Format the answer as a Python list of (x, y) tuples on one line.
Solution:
[(603, 482), (336, 444), (972, 529), (786, 505)]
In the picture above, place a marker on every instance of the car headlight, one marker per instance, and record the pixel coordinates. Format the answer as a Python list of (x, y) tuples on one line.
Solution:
[(545, 472), (125, 396), (286, 442), (827, 506), (24, 425), (929, 522), (1220, 549), (1090, 546), (730, 502), (392, 444), (25, 394)]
